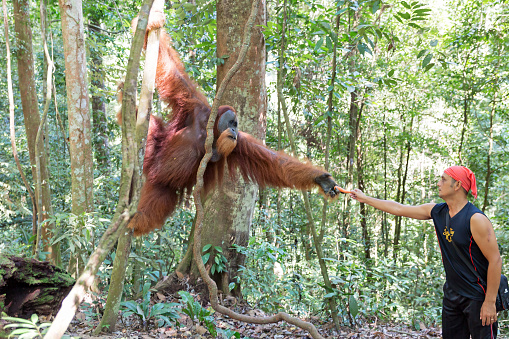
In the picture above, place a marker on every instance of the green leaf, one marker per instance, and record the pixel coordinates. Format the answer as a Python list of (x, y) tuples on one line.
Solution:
[(19, 325), (429, 67), (188, 6), (361, 48), (411, 24), (375, 7), (328, 43), (391, 73), (140, 312), (18, 320), (422, 11), (404, 15), (406, 5), (205, 258), (329, 295), (318, 45), (206, 247), (20, 331), (390, 82), (421, 53), (325, 25), (366, 48), (218, 248), (354, 307), (433, 43), (427, 59), (341, 11)]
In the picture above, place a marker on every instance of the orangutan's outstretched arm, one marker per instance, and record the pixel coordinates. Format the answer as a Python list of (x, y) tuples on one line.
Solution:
[(270, 168)]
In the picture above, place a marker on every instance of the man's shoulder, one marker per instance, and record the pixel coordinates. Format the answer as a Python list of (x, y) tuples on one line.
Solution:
[(479, 218), (474, 209), (438, 207)]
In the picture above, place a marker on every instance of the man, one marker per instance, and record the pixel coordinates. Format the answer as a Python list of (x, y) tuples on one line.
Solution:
[(468, 305)]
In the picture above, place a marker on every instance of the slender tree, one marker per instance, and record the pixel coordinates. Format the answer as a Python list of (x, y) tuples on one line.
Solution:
[(97, 73), (80, 138), (32, 120)]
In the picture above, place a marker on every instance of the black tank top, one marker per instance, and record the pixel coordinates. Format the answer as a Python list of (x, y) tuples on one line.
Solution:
[(458, 276)]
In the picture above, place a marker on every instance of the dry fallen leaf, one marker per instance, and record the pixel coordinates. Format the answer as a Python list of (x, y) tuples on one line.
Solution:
[(201, 330)]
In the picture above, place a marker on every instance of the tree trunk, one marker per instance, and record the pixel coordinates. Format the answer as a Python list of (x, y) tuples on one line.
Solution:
[(488, 158), (353, 113), (32, 120), (401, 188), (99, 124), (111, 309), (360, 179), (466, 108), (80, 139), (385, 230), (229, 209), (78, 106)]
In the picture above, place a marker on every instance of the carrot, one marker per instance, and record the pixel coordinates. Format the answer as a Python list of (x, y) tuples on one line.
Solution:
[(342, 190)]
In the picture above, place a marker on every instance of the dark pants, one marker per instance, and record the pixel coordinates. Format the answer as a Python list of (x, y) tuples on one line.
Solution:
[(461, 318)]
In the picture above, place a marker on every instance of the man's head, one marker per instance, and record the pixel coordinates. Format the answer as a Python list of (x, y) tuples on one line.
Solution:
[(457, 179)]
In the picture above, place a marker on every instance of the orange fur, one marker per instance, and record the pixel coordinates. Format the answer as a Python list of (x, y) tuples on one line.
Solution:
[(270, 168), (225, 144), (175, 148)]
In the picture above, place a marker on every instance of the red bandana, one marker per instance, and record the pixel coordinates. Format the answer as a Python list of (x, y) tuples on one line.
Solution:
[(466, 176)]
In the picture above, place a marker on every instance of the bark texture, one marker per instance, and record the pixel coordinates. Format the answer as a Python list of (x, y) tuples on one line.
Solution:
[(82, 174), (32, 120), (229, 209)]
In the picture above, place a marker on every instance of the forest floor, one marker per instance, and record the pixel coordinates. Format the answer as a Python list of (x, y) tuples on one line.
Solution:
[(131, 327), (273, 331)]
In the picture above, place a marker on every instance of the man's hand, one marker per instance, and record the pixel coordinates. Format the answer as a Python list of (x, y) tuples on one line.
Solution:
[(488, 313), (358, 195), (421, 212)]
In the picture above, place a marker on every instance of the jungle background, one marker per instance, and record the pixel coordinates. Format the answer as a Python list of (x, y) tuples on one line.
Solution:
[(383, 94)]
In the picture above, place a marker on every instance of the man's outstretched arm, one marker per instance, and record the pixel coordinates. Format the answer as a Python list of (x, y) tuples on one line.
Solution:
[(421, 212)]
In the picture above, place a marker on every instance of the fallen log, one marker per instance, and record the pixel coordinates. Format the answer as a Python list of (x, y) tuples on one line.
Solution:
[(28, 286)]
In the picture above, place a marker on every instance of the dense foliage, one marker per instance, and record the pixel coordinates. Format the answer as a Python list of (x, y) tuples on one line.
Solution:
[(418, 87)]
